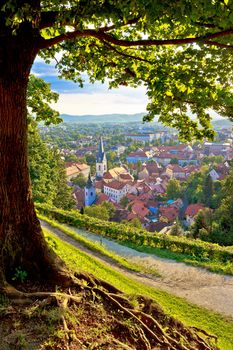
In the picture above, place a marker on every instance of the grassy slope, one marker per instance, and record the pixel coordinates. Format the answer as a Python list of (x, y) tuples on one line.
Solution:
[(189, 314), (213, 266), (99, 248), (210, 265)]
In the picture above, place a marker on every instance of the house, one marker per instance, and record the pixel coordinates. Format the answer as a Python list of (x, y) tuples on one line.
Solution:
[(139, 156), (125, 177), (214, 175), (138, 208), (141, 137), (175, 171), (191, 211), (183, 153), (115, 190), (117, 173), (168, 214), (101, 199), (144, 174), (79, 197), (74, 169)]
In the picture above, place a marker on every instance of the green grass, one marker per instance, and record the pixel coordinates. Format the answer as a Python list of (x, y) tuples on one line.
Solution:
[(99, 248), (189, 314), (211, 265)]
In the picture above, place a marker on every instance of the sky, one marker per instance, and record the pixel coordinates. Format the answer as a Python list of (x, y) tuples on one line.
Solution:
[(92, 98)]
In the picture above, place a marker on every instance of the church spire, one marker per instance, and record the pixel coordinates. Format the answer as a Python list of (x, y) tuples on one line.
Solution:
[(100, 154), (89, 181), (101, 160)]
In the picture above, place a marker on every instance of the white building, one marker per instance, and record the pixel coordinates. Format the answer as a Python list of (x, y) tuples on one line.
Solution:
[(101, 161), (116, 190)]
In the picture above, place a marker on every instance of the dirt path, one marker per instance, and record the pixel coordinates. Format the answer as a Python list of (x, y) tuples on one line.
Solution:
[(196, 285)]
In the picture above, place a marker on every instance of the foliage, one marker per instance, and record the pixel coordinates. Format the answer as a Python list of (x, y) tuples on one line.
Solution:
[(133, 223), (202, 226), (39, 97), (20, 275), (188, 313), (212, 160), (104, 211), (97, 211), (80, 180), (140, 237), (98, 247), (176, 229), (174, 161), (47, 173), (126, 47), (173, 189), (208, 190), (200, 188), (223, 226), (124, 202)]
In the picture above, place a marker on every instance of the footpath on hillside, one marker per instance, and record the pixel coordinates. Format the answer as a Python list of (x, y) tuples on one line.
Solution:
[(203, 288)]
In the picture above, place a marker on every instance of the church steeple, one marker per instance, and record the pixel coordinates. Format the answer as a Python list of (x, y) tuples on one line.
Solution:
[(90, 192), (89, 182), (100, 154), (101, 160)]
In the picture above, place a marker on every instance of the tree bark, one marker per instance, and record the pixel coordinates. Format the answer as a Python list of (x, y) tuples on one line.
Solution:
[(22, 243)]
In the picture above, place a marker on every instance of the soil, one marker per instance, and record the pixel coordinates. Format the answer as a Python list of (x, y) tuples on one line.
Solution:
[(90, 314), (197, 285), (96, 320)]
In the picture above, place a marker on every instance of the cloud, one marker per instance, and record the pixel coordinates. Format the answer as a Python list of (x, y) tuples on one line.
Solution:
[(100, 103), (92, 98)]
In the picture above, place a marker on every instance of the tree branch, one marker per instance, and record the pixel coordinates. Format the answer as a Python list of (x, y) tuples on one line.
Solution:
[(130, 21), (206, 39), (125, 54), (216, 43)]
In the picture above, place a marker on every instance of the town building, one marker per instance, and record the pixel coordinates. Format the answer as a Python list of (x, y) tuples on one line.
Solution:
[(115, 190), (191, 211), (90, 192), (101, 161), (74, 169), (141, 137)]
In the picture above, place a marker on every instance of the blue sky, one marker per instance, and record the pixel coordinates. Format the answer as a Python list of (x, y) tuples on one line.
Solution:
[(92, 98)]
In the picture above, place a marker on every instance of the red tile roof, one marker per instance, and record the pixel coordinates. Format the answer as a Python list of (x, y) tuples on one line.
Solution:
[(169, 213), (139, 209), (107, 175), (193, 209), (126, 176), (102, 198), (116, 185)]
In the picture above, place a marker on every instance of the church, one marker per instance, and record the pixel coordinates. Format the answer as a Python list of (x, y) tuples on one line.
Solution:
[(101, 161), (101, 168)]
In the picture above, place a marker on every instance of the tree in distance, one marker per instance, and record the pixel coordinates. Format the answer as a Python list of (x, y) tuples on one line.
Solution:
[(182, 54)]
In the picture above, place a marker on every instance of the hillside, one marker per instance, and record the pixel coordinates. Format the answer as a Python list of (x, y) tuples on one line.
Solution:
[(105, 118), (94, 314)]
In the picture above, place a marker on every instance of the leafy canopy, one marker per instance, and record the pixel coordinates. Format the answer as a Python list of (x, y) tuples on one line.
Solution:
[(181, 51)]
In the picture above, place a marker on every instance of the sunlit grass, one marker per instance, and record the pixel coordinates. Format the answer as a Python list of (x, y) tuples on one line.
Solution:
[(100, 249), (189, 314)]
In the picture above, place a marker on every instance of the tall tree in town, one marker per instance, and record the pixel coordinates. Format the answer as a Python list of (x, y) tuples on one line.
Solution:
[(182, 52)]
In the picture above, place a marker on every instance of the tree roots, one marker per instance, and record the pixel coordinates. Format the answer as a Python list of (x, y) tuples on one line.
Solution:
[(149, 327)]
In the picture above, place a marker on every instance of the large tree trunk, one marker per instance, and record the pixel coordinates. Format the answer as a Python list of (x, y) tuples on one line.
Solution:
[(21, 239)]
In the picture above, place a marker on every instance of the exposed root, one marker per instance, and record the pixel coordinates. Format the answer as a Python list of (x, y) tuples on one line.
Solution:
[(145, 327)]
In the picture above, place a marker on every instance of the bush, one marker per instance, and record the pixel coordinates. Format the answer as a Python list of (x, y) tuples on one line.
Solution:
[(120, 232)]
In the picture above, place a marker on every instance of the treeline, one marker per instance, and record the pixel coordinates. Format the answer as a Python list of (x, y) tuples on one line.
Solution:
[(120, 232), (47, 173)]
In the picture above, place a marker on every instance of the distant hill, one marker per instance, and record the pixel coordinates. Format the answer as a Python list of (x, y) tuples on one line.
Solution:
[(104, 118), (217, 122), (222, 123)]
